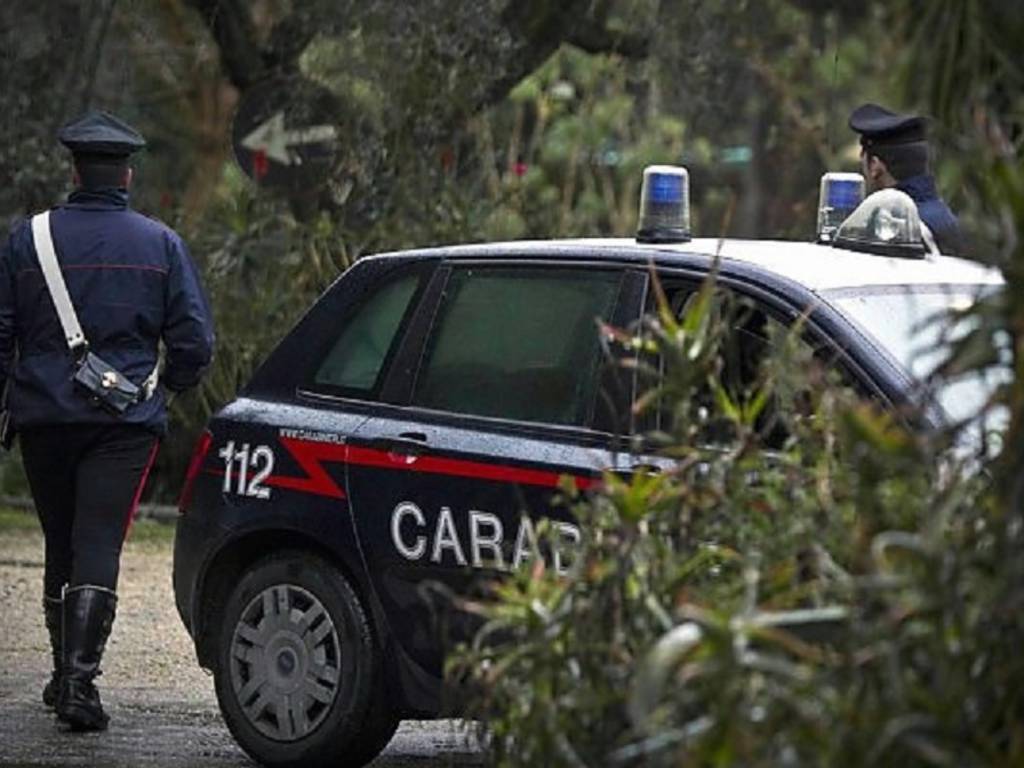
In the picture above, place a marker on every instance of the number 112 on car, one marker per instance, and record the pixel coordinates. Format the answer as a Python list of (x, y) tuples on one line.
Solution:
[(246, 470)]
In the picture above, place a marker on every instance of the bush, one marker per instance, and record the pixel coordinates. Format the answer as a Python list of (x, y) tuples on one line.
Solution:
[(840, 599)]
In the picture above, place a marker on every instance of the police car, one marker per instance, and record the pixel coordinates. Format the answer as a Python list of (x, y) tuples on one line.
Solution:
[(416, 424)]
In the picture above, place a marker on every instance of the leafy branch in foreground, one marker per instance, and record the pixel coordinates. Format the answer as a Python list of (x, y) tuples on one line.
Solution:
[(803, 587)]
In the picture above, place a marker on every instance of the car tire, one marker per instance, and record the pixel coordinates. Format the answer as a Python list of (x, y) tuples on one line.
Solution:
[(378, 729), (298, 672)]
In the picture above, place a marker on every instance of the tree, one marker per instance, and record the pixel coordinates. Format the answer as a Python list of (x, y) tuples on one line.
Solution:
[(406, 76), (49, 66)]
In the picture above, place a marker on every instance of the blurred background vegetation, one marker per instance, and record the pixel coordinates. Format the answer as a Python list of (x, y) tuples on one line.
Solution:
[(457, 121)]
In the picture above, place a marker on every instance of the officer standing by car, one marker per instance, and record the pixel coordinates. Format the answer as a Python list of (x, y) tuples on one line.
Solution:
[(894, 153), (132, 285)]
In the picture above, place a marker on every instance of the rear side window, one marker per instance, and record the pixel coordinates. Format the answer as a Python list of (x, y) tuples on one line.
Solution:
[(518, 343), (356, 360)]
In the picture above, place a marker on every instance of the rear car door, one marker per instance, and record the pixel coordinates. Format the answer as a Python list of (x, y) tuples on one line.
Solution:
[(509, 394)]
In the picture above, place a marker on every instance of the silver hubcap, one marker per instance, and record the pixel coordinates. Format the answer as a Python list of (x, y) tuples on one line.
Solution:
[(285, 661)]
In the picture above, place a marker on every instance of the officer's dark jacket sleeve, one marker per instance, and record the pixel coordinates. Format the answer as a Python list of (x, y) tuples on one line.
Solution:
[(8, 312), (188, 323)]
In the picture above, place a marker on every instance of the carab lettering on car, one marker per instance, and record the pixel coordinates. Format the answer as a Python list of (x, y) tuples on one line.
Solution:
[(484, 547)]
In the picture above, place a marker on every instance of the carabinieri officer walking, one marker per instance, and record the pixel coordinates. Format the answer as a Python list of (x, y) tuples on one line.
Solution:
[(131, 284)]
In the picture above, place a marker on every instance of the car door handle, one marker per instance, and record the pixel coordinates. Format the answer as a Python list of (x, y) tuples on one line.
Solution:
[(639, 467), (419, 437), (647, 469), (405, 444)]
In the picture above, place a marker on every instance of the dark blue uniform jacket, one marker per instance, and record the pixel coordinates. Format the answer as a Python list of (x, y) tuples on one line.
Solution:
[(934, 212), (132, 283)]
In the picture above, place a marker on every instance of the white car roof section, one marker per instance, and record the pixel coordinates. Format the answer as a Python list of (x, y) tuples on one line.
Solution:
[(823, 268), (820, 268)]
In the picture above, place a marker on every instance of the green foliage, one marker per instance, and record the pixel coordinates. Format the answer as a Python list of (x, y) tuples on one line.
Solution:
[(18, 521), (831, 602), (753, 99), (577, 142)]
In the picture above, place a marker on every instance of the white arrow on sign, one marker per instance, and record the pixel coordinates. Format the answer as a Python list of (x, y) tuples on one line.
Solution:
[(274, 140)]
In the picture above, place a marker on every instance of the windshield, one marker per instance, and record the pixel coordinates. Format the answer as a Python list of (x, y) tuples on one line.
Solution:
[(912, 323)]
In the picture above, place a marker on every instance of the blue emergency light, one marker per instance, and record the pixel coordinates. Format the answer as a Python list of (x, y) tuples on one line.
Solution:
[(840, 195), (664, 205), (845, 194)]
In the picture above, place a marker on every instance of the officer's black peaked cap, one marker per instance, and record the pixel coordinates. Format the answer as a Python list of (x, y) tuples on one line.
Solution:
[(101, 134), (879, 126)]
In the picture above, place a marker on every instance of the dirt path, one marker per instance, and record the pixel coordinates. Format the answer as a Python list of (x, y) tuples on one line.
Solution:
[(162, 705)]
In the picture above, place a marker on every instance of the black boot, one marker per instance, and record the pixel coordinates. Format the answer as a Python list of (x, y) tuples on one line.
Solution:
[(52, 609), (88, 617)]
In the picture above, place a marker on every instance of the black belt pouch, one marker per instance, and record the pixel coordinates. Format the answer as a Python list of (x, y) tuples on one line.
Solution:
[(106, 386)]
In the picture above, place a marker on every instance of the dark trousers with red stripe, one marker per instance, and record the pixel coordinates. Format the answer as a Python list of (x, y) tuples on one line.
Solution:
[(86, 481)]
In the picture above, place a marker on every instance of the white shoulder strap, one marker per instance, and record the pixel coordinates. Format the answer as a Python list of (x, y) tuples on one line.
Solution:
[(55, 281)]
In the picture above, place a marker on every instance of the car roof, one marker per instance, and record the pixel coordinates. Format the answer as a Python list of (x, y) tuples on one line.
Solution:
[(819, 268)]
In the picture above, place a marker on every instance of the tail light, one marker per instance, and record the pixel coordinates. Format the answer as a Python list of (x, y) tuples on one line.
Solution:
[(194, 465)]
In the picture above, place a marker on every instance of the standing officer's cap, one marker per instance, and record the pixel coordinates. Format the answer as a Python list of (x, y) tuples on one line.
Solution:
[(101, 136), (878, 126)]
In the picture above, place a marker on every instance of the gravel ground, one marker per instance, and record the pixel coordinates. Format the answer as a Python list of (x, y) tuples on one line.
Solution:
[(162, 705)]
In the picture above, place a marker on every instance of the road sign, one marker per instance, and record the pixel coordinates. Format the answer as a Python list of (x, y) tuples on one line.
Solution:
[(285, 133)]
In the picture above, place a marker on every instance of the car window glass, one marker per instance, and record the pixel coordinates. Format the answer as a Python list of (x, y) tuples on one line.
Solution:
[(752, 339), (355, 361), (518, 343)]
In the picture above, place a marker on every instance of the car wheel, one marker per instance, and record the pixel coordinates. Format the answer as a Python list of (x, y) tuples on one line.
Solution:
[(298, 665), (378, 729)]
